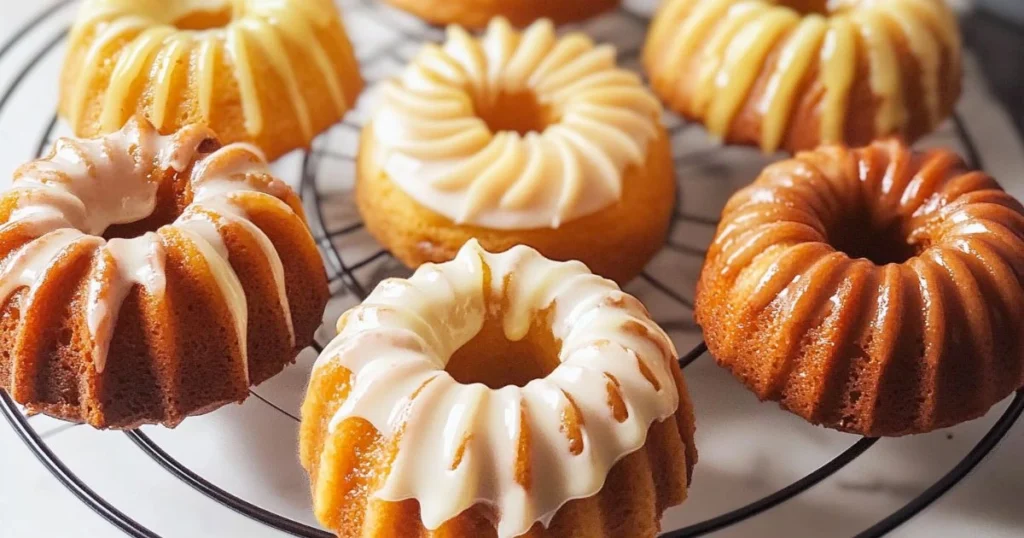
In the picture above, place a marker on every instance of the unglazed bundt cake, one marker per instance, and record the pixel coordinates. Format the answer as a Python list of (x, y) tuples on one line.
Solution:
[(271, 72), (874, 290), (796, 73), (518, 138), (145, 278), (497, 395), (478, 13)]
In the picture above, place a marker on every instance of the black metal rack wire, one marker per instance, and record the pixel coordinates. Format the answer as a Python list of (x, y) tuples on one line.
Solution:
[(341, 272)]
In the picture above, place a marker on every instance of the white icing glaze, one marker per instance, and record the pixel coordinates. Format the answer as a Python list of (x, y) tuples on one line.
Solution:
[(136, 261), (87, 185), (28, 266), (213, 190), (399, 340), (434, 146)]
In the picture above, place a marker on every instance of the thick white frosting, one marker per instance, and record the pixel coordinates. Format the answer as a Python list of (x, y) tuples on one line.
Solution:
[(86, 185), (432, 143), (463, 440)]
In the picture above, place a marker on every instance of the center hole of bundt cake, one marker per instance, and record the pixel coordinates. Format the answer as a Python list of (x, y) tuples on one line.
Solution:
[(494, 360), (519, 112), (880, 244), (138, 211), (811, 7), (163, 215), (208, 19)]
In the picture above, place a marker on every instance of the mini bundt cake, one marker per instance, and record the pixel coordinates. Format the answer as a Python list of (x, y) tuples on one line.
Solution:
[(497, 395), (518, 138), (797, 73), (874, 290), (145, 278), (274, 73), (478, 13)]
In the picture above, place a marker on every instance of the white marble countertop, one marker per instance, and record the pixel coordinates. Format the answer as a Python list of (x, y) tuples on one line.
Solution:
[(748, 449)]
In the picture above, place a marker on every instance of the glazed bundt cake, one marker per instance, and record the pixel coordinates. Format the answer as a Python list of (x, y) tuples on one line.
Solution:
[(796, 73), (145, 278), (497, 395), (271, 72), (518, 137), (874, 290)]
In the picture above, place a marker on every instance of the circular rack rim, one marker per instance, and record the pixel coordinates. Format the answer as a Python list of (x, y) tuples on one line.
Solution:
[(344, 272)]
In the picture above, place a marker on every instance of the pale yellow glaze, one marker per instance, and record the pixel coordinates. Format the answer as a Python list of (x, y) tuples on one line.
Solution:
[(711, 75), (238, 50), (206, 60), (794, 60), (434, 144), (134, 57), (151, 38), (740, 65), (884, 76), (168, 59), (839, 63), (717, 49)]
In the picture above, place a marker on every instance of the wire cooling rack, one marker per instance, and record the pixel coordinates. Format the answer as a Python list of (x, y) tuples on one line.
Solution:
[(386, 39)]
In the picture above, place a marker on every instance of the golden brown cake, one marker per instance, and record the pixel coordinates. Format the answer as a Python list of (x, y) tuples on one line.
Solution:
[(874, 290), (538, 397), (477, 13), (518, 138), (271, 72), (145, 278), (793, 74)]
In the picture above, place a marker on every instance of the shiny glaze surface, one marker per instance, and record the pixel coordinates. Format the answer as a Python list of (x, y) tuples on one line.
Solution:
[(523, 451), (72, 196), (729, 61), (144, 42), (597, 120), (928, 336)]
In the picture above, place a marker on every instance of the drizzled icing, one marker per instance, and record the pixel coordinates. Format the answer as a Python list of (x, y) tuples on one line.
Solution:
[(67, 199), (466, 440), (730, 41), (152, 42), (432, 142)]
